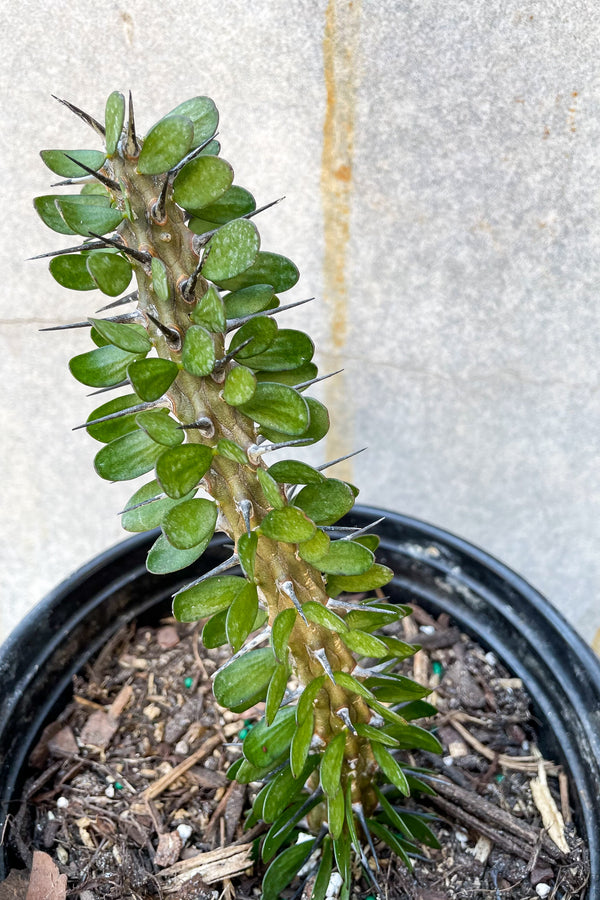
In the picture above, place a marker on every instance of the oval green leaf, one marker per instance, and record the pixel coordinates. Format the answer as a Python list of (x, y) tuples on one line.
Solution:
[(165, 145), (85, 218), (331, 765), (320, 615), (345, 558), (364, 643), (153, 511), (102, 367), (70, 270), (131, 337), (204, 116), (284, 869), (275, 692), (280, 632), (390, 768), (202, 181), (239, 386), (127, 457), (231, 450), (210, 312), (241, 616), (308, 697), (260, 332), (375, 577), (235, 203), (288, 524), (164, 558), (198, 353), (111, 272), (114, 116), (244, 681), (317, 428), (289, 350), (266, 743), (268, 268), (179, 469), (246, 551), (273, 493), (109, 431), (152, 378), (292, 471), (301, 741), (278, 406), (158, 425), (327, 502), (312, 550), (207, 598), (58, 161), (231, 251), (190, 522), (250, 300), (160, 281)]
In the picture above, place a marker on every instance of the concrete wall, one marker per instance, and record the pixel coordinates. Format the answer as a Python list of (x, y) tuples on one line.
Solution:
[(441, 168)]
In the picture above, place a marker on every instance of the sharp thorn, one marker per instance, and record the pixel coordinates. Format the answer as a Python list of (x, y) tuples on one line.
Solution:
[(131, 146), (357, 809), (110, 387), (89, 120), (365, 529), (66, 327), (260, 209), (140, 407), (192, 155), (142, 503), (139, 255), (127, 317), (204, 424), (223, 567), (103, 179), (348, 604), (255, 451), (221, 363), (171, 334), (235, 323), (339, 459), (322, 657), (343, 713), (128, 298), (340, 528), (249, 645), (188, 287), (159, 208), (92, 245), (306, 384), (70, 181), (287, 587), (246, 509)]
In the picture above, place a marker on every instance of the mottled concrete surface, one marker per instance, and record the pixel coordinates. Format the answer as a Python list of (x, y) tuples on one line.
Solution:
[(440, 163)]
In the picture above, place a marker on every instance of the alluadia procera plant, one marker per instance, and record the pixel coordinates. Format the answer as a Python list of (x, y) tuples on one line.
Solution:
[(211, 386)]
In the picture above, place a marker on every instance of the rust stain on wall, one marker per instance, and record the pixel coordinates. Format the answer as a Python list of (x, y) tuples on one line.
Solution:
[(340, 43)]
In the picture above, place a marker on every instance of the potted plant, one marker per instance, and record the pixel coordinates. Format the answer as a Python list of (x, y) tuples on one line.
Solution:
[(212, 386)]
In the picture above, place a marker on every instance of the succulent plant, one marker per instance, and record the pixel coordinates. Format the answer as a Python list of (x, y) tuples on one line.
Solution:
[(212, 385)]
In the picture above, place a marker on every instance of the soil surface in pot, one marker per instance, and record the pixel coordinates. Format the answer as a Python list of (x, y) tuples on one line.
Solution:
[(128, 795)]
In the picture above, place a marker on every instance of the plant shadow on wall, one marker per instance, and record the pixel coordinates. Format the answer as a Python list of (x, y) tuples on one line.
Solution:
[(295, 614)]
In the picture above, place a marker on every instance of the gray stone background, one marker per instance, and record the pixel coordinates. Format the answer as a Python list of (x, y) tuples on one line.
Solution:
[(441, 168)]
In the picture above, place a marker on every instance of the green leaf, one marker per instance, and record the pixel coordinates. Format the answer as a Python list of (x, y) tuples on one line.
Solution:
[(70, 270), (160, 427), (365, 644), (49, 214), (341, 849), (246, 550), (308, 697), (232, 451), (372, 616), (312, 550), (283, 826), (275, 692), (412, 827), (413, 737), (345, 558), (418, 709), (390, 768), (284, 869), (280, 632), (320, 615), (278, 406), (399, 649), (327, 502), (110, 272), (241, 616), (204, 116), (289, 524), (190, 522), (164, 558), (149, 516), (284, 788), (266, 743), (114, 117), (271, 489), (210, 312), (233, 204), (130, 337), (152, 378), (198, 352), (295, 377), (202, 181), (375, 577), (58, 161), (262, 330), (231, 251), (244, 681), (336, 811), (385, 835), (301, 742), (350, 683), (108, 431), (292, 471), (239, 386), (214, 633), (250, 300), (165, 145), (102, 367), (208, 597), (375, 734), (160, 280), (290, 349), (85, 218), (397, 689), (268, 268), (179, 469), (127, 457), (323, 878), (370, 541), (331, 765)]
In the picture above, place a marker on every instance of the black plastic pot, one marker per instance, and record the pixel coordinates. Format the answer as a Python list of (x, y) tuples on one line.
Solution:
[(434, 568)]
